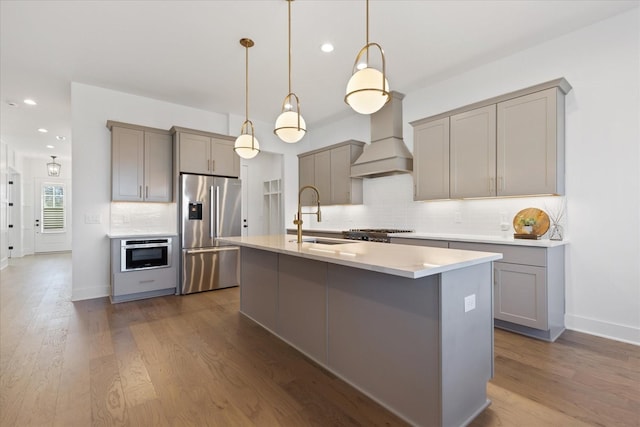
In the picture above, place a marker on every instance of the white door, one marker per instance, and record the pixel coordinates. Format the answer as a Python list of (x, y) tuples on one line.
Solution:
[(52, 224)]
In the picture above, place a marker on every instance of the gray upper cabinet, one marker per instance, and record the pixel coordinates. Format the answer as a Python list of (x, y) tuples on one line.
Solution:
[(322, 176), (329, 170), (472, 151), (141, 163), (158, 163), (431, 160), (306, 176), (510, 145), (531, 144), (206, 153), (344, 189)]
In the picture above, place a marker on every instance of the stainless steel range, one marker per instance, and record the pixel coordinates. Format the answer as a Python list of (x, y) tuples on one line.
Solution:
[(372, 234)]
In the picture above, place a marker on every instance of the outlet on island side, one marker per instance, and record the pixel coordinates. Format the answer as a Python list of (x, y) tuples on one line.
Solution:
[(457, 217), (469, 302)]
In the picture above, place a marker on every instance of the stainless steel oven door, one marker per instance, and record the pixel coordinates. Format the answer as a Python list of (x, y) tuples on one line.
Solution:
[(142, 254)]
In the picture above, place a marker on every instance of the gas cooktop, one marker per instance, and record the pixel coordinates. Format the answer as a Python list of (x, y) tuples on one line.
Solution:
[(372, 234)]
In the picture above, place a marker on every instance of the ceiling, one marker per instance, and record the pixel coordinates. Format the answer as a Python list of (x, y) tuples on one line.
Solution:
[(188, 52)]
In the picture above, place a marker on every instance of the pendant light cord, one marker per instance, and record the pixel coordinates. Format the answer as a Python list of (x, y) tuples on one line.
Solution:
[(367, 44), (246, 83), (289, 2)]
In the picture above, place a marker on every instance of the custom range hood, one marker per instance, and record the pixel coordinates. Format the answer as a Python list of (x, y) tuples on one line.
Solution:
[(387, 154)]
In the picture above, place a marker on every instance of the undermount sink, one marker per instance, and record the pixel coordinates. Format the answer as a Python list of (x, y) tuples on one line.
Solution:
[(321, 241)]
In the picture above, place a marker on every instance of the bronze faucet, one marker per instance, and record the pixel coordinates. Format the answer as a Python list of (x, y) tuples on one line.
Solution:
[(297, 220)]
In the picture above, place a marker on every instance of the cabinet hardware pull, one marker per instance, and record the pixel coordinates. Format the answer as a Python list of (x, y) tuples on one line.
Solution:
[(146, 281), (140, 191), (213, 165), (208, 164), (147, 192)]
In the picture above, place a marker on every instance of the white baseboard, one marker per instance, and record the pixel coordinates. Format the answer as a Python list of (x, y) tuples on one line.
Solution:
[(89, 293), (624, 333)]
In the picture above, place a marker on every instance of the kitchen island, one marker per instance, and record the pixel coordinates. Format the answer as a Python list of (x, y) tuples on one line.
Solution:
[(411, 327)]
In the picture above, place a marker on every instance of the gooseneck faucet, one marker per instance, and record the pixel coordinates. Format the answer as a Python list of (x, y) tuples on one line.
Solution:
[(297, 220)]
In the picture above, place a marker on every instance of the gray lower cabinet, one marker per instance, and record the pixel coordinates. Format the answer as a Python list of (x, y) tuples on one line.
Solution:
[(140, 284), (528, 288), (528, 295), (404, 342), (141, 163)]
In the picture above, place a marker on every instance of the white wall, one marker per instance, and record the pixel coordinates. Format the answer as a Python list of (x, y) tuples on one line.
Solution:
[(601, 62), (91, 152)]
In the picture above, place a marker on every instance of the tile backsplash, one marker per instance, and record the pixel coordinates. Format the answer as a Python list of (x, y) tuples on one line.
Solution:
[(143, 218), (388, 203)]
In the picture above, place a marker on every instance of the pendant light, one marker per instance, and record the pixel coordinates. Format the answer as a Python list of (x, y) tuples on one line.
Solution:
[(290, 126), (246, 145), (368, 88), (53, 168)]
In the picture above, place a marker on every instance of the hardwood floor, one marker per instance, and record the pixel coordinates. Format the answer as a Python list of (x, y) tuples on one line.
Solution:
[(195, 361)]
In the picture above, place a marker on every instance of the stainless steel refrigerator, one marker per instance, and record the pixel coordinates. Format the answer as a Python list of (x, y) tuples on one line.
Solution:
[(210, 208)]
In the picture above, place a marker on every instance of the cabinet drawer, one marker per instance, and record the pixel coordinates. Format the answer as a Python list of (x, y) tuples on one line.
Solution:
[(420, 242), (134, 282), (512, 254)]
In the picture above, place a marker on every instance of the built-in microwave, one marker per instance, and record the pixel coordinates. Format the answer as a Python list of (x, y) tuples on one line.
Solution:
[(144, 254)]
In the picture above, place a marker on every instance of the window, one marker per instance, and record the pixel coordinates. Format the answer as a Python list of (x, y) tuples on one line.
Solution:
[(53, 217)]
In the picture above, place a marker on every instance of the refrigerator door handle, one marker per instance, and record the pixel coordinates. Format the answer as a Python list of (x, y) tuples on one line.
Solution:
[(217, 211), (219, 249), (211, 212)]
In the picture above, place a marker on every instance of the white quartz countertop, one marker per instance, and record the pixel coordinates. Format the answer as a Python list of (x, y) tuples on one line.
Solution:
[(544, 243), (399, 260), (129, 234)]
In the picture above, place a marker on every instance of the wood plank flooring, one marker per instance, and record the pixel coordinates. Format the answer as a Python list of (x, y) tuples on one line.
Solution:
[(195, 361)]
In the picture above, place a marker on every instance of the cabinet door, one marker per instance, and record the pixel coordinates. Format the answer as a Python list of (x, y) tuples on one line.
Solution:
[(527, 145), (195, 153), (322, 176), (341, 175), (473, 153), (431, 160), (158, 167), (520, 294), (127, 164), (306, 176), (224, 160)]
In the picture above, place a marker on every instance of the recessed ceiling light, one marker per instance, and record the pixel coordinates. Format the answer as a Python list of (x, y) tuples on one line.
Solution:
[(30, 102), (326, 47), (50, 146), (12, 104), (61, 138), (43, 130)]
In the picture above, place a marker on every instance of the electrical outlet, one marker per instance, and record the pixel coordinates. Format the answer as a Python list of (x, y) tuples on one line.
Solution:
[(92, 219), (457, 217), (503, 217), (469, 302)]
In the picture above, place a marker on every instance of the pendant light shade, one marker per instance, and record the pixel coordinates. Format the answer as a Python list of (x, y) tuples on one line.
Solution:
[(246, 145), (53, 168), (368, 88), (290, 126)]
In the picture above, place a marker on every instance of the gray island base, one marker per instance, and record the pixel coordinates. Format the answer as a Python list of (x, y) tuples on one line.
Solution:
[(408, 343)]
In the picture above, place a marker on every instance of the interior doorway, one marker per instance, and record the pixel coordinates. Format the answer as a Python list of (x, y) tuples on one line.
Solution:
[(52, 216), (262, 194)]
